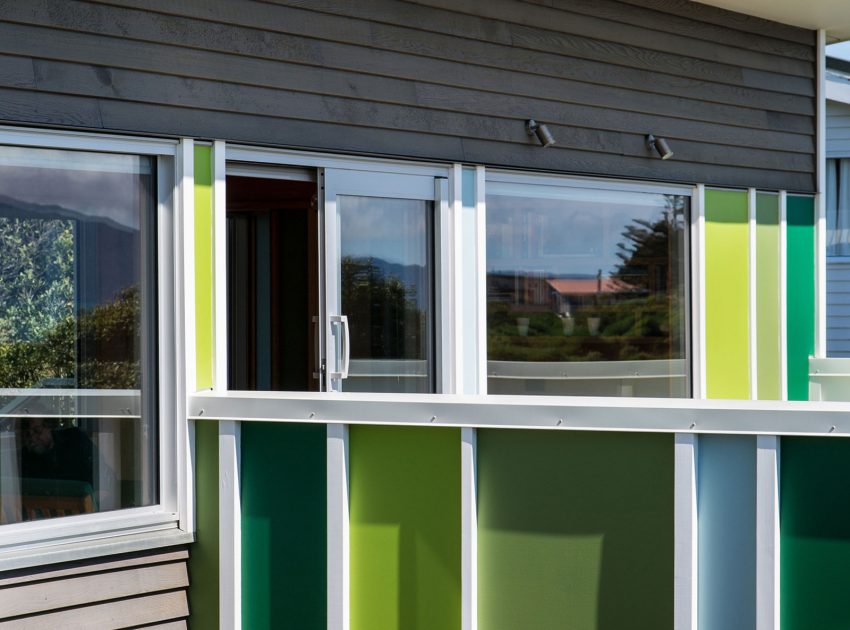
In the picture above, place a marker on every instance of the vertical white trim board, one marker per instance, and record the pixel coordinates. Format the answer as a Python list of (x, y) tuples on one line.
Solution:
[(481, 264), (753, 295), (767, 532), (685, 545), (698, 293), (469, 530), (820, 201), (339, 610), (219, 200), (229, 525)]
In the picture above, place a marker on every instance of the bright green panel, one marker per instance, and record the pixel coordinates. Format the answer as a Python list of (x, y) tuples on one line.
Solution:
[(284, 526), (204, 304), (815, 533), (405, 528), (203, 562), (203, 558), (767, 296), (727, 294), (575, 530), (800, 219)]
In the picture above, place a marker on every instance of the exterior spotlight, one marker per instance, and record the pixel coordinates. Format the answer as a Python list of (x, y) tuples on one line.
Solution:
[(533, 128), (660, 146)]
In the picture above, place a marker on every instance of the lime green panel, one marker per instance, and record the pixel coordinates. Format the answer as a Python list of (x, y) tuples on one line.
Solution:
[(405, 528), (575, 530), (768, 309), (815, 533), (284, 526), (727, 294), (800, 218), (203, 558), (204, 303)]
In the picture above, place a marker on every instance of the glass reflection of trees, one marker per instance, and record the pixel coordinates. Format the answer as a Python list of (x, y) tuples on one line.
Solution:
[(634, 312)]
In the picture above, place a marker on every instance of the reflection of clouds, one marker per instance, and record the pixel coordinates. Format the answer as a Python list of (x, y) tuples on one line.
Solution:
[(90, 185), (394, 230)]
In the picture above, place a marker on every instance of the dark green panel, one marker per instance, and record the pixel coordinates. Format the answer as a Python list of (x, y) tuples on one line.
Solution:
[(284, 525), (405, 528), (815, 534), (575, 530), (800, 293), (203, 560)]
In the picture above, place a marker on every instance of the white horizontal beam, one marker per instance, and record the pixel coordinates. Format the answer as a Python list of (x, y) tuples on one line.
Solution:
[(543, 412), (70, 403)]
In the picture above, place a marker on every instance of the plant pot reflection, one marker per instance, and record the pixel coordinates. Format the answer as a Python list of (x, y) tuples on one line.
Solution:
[(569, 325), (593, 325), (522, 326)]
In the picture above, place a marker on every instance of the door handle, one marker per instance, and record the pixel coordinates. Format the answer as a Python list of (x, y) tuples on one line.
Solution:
[(345, 353)]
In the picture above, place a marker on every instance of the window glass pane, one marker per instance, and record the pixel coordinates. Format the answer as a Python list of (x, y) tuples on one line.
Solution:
[(586, 292), (77, 312), (387, 292)]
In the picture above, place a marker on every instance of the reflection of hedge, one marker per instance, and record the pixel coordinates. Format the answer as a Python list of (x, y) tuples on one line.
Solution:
[(106, 337)]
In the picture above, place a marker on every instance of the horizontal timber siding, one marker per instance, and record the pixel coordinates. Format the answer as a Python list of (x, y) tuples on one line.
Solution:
[(449, 80), (115, 592)]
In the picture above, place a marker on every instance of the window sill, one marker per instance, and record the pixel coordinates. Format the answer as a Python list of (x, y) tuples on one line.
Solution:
[(84, 550)]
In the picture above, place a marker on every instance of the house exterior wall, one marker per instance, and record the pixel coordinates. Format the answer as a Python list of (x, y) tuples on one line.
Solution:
[(435, 79)]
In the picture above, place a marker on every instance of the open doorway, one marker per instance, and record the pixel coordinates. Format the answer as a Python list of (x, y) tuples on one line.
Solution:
[(273, 281)]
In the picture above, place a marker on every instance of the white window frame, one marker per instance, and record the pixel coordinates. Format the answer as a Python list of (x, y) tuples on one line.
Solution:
[(164, 523), (693, 343)]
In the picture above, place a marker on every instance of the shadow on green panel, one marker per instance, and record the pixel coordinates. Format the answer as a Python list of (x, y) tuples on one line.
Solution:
[(815, 533), (203, 558), (284, 525), (575, 530)]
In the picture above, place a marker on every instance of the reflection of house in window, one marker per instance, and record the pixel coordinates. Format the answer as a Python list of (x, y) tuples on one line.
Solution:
[(570, 295)]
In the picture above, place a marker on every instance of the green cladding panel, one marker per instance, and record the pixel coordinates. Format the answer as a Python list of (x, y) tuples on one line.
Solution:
[(815, 533), (405, 528), (727, 294), (284, 526), (768, 309), (800, 220), (575, 530), (204, 560)]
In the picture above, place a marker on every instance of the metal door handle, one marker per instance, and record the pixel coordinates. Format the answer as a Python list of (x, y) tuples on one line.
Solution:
[(345, 359)]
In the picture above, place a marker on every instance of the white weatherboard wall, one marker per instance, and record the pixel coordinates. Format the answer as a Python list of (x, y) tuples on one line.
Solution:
[(726, 507)]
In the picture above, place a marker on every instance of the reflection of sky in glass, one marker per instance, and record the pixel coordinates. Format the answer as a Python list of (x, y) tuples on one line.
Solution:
[(563, 237), (394, 230)]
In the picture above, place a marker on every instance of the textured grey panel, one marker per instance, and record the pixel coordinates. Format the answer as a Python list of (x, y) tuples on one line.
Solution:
[(837, 129), (432, 79)]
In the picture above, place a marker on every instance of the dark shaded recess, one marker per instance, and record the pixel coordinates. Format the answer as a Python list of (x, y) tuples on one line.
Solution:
[(272, 265)]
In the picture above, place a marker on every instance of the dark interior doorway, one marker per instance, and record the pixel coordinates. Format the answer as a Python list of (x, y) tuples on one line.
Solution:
[(273, 283)]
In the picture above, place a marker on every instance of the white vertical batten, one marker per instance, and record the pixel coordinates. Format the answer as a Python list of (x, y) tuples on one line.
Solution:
[(685, 544), (767, 532), (184, 289), (338, 529), (229, 526), (783, 295), (820, 202), (481, 274), (229, 506), (753, 295), (469, 530), (457, 276), (698, 291), (444, 298)]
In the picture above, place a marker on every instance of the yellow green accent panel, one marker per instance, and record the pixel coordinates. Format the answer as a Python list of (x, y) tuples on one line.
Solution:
[(575, 530), (727, 310), (405, 535), (768, 308), (204, 558)]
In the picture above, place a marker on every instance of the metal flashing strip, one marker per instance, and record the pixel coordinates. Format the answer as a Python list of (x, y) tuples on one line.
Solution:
[(528, 412)]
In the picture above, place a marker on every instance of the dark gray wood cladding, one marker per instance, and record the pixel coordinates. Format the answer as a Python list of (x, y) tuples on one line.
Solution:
[(447, 80)]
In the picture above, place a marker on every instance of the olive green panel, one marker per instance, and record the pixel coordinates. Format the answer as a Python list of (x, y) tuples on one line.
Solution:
[(204, 559), (800, 220), (405, 528), (768, 307), (815, 534), (284, 526), (727, 294), (575, 530)]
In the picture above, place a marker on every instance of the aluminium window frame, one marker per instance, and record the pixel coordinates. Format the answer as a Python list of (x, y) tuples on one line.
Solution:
[(164, 523)]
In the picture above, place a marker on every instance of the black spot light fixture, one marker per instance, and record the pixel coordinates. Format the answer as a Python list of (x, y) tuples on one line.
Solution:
[(659, 146), (544, 136)]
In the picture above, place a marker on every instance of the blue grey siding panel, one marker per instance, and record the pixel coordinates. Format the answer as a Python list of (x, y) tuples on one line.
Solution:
[(448, 80)]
